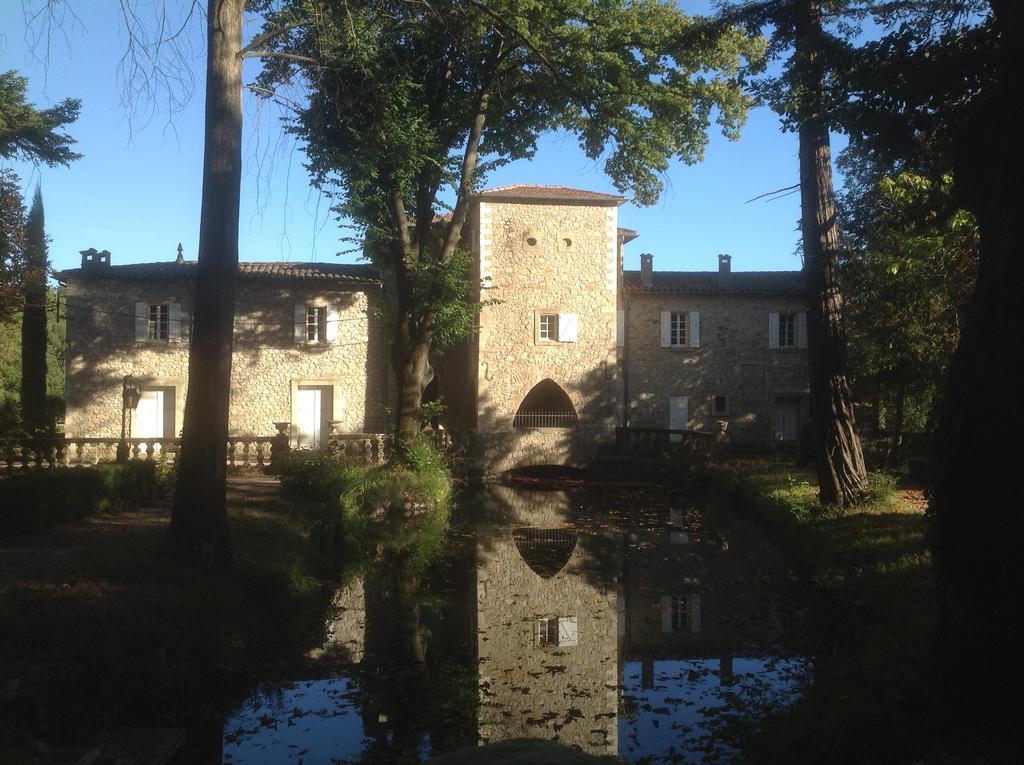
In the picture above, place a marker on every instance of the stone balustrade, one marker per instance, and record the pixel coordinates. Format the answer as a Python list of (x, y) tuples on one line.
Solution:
[(245, 451), (364, 448), (657, 442)]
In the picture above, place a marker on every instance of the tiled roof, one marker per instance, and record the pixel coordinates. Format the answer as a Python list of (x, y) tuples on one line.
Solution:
[(525, 191), (627, 234), (329, 272), (739, 282)]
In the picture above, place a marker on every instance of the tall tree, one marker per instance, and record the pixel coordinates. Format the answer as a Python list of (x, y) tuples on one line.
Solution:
[(199, 525), (840, 461), (33, 319), (34, 135), (976, 499), (30, 133), (801, 96), (12, 243), (411, 104)]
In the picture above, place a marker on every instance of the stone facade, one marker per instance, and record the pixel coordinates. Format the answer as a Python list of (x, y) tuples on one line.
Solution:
[(569, 345), (733, 361), (267, 364)]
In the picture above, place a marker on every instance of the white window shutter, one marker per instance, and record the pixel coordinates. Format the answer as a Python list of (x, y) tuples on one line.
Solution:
[(620, 329), (300, 322), (568, 327), (666, 329), (695, 329), (174, 322), (801, 329), (332, 324), (666, 613), (773, 330), (693, 618), (567, 634), (140, 321)]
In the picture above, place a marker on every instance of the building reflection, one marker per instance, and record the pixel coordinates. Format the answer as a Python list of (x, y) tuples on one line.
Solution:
[(547, 625)]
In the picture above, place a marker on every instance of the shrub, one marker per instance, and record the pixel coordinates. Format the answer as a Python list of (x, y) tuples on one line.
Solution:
[(377, 508), (41, 498)]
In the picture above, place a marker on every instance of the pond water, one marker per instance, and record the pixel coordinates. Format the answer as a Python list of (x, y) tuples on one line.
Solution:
[(614, 619)]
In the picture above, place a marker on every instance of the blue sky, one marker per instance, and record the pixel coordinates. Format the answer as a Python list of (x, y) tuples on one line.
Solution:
[(136, 192)]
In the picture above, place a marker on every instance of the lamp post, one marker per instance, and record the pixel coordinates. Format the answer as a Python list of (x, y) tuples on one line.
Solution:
[(131, 394)]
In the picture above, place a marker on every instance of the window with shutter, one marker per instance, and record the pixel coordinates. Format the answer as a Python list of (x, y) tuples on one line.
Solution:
[(158, 322), (674, 329)]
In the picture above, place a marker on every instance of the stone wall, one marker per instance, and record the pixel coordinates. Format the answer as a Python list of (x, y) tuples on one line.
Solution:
[(266, 366), (556, 259), (733, 360)]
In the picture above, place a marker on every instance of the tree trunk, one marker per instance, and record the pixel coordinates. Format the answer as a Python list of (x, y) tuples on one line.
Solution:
[(411, 363), (33, 321), (975, 503), (199, 526), (840, 462)]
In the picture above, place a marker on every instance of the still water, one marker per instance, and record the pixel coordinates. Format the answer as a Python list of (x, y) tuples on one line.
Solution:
[(617, 620)]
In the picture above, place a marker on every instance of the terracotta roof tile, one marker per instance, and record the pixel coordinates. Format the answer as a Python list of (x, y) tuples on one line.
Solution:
[(706, 282), (535, 193), (344, 273)]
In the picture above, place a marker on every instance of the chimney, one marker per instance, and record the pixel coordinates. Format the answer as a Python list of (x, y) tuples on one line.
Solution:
[(646, 269), (181, 258), (724, 269), (93, 259)]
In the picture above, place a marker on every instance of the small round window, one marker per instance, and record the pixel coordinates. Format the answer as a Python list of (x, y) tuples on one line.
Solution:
[(566, 242), (531, 240)]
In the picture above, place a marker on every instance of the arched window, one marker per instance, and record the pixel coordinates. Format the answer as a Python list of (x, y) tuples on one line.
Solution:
[(546, 406)]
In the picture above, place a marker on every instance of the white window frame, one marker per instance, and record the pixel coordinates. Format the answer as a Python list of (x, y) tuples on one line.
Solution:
[(158, 323), (787, 330), (677, 326), (547, 327), (316, 324)]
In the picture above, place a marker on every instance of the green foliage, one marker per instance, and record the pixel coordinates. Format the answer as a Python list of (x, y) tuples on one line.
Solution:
[(10, 366), (33, 134), (909, 270), (41, 498), (381, 509), (12, 243)]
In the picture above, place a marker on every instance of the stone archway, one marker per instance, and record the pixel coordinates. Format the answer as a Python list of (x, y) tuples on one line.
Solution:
[(547, 405)]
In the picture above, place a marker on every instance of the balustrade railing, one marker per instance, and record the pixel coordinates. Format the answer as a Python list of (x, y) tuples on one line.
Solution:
[(658, 441), (61, 451), (365, 448), (542, 419), (256, 452)]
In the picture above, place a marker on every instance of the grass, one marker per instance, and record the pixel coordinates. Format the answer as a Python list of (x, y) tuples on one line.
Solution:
[(115, 632), (866, 577)]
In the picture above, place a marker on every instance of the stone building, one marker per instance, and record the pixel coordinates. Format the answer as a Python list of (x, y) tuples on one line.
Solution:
[(569, 346), (306, 351)]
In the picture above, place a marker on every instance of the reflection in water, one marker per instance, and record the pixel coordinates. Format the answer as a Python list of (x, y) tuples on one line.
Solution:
[(611, 624)]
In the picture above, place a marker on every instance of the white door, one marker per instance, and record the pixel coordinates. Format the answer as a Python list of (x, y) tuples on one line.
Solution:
[(787, 419), (313, 412), (678, 416), (149, 416)]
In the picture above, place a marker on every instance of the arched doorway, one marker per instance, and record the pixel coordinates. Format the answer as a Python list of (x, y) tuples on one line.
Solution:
[(546, 406)]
